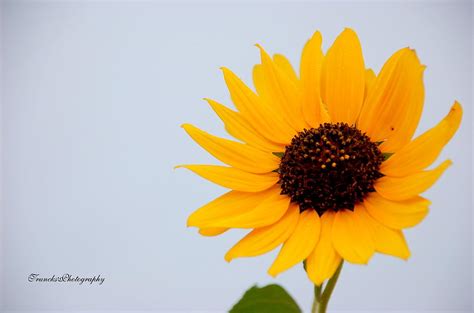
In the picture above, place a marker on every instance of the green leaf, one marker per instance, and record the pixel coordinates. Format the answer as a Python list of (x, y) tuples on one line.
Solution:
[(386, 155), (268, 299), (279, 154)]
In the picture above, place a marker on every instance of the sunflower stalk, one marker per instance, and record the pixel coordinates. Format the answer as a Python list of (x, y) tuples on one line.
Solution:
[(317, 298), (321, 298)]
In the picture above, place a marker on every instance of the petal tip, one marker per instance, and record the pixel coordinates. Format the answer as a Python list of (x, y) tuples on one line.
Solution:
[(318, 281), (225, 71), (272, 273), (456, 106), (211, 102), (191, 221), (263, 54), (228, 257), (406, 257), (316, 35), (348, 30)]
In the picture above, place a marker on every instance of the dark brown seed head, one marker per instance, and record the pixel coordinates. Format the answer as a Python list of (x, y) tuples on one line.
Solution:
[(331, 167)]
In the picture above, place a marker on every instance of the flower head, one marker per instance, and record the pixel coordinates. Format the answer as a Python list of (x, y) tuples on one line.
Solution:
[(325, 165)]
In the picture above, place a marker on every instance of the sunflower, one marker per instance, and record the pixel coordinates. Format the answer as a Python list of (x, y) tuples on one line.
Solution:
[(325, 165)]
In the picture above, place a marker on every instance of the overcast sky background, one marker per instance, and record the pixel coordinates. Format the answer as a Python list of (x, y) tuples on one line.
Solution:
[(93, 96)]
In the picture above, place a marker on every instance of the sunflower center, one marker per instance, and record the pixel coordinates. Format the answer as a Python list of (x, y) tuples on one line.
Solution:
[(331, 167)]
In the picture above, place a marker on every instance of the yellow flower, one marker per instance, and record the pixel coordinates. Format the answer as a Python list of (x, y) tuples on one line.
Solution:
[(325, 165)]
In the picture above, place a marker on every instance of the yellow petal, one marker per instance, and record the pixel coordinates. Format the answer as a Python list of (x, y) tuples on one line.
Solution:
[(393, 106), (233, 153), (343, 78), (255, 112), (323, 112), (284, 66), (238, 127), (211, 232), (232, 203), (264, 239), (310, 71), (258, 78), (425, 149), (401, 188), (300, 243), (397, 214), (234, 178), (241, 210), (283, 93), (388, 241), (369, 81), (351, 237), (324, 260)]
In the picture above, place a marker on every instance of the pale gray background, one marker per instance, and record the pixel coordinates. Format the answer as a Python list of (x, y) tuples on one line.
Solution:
[(93, 96)]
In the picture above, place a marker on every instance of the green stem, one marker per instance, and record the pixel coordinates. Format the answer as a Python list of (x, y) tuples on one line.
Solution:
[(317, 298), (321, 298)]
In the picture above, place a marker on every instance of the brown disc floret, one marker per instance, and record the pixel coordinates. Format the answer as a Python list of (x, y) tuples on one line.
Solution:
[(331, 167)]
